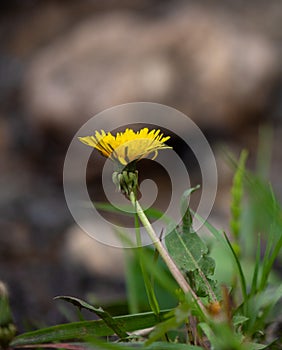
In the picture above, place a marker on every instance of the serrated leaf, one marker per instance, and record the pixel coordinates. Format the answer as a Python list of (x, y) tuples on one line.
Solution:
[(189, 253), (184, 204), (186, 250)]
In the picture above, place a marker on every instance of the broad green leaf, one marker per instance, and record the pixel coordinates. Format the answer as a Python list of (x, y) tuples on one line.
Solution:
[(82, 330), (190, 254), (187, 250), (109, 320)]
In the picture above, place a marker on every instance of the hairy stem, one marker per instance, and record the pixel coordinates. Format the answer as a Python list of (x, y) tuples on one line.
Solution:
[(176, 273)]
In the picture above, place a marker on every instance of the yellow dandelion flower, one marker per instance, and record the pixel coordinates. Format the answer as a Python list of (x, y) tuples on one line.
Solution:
[(127, 146)]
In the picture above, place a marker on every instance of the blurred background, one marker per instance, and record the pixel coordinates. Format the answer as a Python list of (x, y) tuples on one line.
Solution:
[(61, 62)]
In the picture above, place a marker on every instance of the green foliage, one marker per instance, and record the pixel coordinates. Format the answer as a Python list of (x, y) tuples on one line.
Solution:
[(241, 263), (158, 345), (87, 329), (148, 282), (162, 282), (190, 254), (117, 327)]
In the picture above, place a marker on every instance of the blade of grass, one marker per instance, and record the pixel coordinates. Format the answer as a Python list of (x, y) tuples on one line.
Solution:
[(241, 273), (109, 320), (254, 285), (131, 287), (159, 272), (81, 330), (68, 346), (219, 235), (184, 199), (140, 345), (269, 263), (153, 302)]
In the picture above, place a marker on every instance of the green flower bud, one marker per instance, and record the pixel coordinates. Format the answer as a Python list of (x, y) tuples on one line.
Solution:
[(126, 181)]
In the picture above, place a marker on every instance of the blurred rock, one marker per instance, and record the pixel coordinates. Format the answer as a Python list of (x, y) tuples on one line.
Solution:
[(4, 137), (204, 63), (97, 258), (15, 242)]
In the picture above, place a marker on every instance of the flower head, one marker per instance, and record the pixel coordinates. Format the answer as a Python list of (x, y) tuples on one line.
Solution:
[(128, 146), (125, 149)]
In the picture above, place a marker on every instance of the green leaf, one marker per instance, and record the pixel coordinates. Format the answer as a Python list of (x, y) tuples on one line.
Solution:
[(164, 284), (218, 234), (186, 250), (222, 337), (117, 328), (183, 204), (238, 320), (171, 346), (141, 345), (260, 305), (240, 269), (257, 346), (153, 301), (82, 330), (254, 285), (175, 318), (189, 253)]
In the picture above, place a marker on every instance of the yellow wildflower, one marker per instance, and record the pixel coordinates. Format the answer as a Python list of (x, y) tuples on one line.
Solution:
[(127, 146)]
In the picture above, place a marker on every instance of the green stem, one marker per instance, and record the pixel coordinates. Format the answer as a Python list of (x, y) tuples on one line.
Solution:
[(148, 285), (164, 254), (131, 286)]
